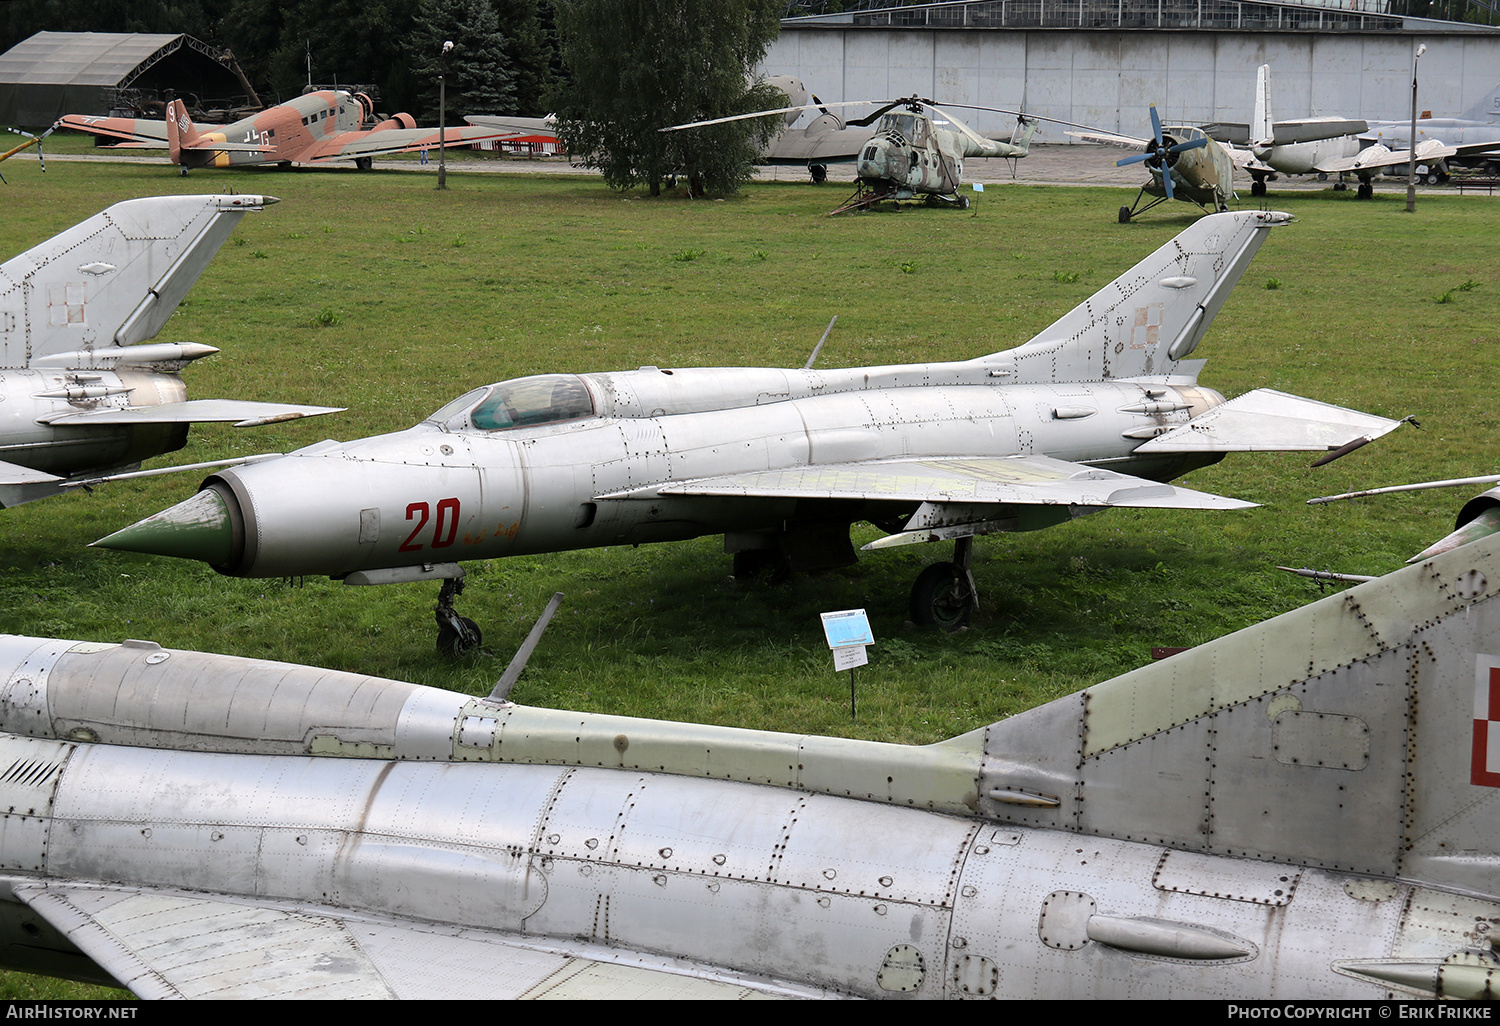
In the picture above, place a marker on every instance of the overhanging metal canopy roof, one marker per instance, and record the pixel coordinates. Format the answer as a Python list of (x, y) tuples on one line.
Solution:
[(56, 73)]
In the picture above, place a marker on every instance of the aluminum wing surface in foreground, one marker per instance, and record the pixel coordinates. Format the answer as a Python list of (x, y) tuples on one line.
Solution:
[(1307, 808)]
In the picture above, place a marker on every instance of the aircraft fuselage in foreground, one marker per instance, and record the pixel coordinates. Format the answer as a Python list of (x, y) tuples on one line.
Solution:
[(1303, 809)]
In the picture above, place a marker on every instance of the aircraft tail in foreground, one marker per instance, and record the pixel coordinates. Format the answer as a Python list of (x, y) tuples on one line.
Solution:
[(1307, 808), (112, 280), (1360, 733)]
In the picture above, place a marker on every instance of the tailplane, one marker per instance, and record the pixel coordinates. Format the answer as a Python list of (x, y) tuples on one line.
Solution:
[(1360, 733), (114, 279), (1148, 320)]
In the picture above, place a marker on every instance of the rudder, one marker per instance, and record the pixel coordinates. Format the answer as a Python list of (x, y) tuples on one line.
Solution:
[(1149, 319)]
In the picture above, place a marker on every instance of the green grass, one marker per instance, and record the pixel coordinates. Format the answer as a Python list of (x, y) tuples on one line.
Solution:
[(355, 291)]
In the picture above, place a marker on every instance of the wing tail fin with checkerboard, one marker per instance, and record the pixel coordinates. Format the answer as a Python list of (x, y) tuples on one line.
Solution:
[(1359, 733)]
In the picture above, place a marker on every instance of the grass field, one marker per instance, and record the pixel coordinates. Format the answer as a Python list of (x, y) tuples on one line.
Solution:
[(376, 292)]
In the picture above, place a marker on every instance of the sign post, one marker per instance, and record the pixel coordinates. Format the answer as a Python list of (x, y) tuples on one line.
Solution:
[(848, 632)]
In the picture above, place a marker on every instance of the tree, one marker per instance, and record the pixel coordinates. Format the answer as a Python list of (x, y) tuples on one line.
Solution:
[(477, 78), (636, 66)]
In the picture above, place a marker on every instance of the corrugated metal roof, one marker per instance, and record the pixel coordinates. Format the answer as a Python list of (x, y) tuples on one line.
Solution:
[(83, 58)]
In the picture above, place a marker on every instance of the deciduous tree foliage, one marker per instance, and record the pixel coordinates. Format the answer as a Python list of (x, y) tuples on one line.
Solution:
[(636, 66)]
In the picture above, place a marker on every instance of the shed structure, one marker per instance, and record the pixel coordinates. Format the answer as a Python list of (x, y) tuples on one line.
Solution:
[(56, 73)]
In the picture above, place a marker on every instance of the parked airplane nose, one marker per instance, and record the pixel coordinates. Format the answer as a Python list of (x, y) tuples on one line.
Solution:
[(201, 527)]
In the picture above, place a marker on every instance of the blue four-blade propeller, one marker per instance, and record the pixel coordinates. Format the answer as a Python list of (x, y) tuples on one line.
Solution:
[(1161, 151)]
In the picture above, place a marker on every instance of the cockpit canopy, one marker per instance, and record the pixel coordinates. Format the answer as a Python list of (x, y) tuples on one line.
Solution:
[(910, 127), (524, 402)]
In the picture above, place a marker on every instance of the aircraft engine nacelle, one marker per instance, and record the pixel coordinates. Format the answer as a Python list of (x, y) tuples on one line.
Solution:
[(402, 120), (31, 402)]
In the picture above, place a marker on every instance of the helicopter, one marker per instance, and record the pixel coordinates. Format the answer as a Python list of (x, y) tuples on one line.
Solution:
[(1178, 169), (917, 149)]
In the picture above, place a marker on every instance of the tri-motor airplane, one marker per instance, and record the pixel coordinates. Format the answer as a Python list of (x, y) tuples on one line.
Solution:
[(1184, 163), (315, 128), (82, 399), (1337, 146), (917, 152), (1096, 411), (1305, 809)]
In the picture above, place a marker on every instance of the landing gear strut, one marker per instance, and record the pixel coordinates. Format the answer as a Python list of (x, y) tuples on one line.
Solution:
[(944, 594), (457, 635)]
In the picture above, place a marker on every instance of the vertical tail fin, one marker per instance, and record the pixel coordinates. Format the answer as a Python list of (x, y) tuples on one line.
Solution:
[(1151, 317), (1025, 129), (180, 130), (1262, 127), (1486, 108), (1359, 733), (115, 278)]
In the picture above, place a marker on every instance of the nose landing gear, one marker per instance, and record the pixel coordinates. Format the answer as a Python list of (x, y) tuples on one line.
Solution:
[(457, 635)]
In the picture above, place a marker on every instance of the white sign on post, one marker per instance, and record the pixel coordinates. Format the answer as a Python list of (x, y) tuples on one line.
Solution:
[(847, 657)]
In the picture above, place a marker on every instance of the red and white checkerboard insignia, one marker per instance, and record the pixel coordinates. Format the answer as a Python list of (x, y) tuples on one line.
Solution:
[(1485, 767)]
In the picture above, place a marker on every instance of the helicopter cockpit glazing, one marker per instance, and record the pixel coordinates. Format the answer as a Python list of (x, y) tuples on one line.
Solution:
[(908, 126), (523, 402)]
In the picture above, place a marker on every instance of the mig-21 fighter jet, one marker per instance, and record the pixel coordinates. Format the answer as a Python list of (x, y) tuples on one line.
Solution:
[(1098, 410)]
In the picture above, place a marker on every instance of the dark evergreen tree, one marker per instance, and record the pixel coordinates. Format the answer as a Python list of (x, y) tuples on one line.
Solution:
[(530, 53), (476, 72), (635, 66)]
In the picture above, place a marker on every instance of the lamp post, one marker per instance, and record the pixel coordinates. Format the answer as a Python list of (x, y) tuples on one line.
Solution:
[(443, 114), (1411, 146)]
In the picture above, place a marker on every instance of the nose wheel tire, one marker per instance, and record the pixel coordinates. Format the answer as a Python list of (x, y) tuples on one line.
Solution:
[(942, 597), (457, 637)]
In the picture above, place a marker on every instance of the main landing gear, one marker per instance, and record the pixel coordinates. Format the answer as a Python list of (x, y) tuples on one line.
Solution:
[(457, 635), (944, 594)]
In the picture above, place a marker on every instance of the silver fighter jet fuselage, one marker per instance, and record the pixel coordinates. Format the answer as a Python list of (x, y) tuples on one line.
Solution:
[(1096, 411), (1305, 809)]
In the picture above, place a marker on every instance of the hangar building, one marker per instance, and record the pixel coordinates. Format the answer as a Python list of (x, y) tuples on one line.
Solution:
[(57, 73), (1103, 62)]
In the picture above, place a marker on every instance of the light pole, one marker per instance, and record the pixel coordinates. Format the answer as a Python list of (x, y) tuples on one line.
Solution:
[(1411, 146), (443, 114)]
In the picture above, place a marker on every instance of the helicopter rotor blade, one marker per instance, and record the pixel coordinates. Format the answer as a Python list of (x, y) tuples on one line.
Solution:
[(870, 119), (767, 113)]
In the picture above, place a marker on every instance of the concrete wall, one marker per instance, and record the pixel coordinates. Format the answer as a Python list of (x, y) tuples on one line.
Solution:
[(1107, 79)]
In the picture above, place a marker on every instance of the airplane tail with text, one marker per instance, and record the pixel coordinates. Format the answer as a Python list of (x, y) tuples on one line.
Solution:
[(1146, 322), (181, 134), (112, 280), (1360, 733)]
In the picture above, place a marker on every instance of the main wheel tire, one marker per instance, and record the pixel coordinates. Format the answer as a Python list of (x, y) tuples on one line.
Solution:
[(455, 643), (747, 564), (941, 597), (1124, 215), (819, 173)]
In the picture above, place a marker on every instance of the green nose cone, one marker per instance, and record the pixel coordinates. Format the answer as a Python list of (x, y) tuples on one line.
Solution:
[(197, 528)]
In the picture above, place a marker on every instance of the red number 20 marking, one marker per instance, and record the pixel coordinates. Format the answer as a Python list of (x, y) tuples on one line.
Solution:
[(444, 532)]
